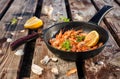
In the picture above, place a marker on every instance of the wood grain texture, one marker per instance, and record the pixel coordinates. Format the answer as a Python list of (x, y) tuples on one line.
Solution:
[(41, 50), (106, 65), (85, 9), (9, 62), (3, 5), (117, 1)]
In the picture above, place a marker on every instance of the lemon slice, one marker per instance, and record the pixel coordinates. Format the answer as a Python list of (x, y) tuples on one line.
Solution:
[(33, 23), (92, 38)]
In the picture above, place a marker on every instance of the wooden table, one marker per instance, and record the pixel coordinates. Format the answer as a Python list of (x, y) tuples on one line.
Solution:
[(106, 65)]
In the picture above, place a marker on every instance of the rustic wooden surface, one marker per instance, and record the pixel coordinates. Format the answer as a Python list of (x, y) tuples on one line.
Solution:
[(93, 70), (4, 4), (41, 50), (106, 65), (9, 62)]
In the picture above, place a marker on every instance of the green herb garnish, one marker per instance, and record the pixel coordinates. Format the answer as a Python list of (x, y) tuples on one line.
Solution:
[(13, 21), (66, 45), (64, 19), (80, 38)]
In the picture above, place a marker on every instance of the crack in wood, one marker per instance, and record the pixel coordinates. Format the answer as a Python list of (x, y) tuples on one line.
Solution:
[(29, 48), (6, 8), (118, 2)]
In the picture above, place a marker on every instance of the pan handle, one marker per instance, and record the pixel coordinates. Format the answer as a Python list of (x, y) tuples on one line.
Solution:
[(23, 40), (96, 19)]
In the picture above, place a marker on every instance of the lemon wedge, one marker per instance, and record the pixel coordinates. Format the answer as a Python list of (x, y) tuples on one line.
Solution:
[(92, 38), (33, 23)]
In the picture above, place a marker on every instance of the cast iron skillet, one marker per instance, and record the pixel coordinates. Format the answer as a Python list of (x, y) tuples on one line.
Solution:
[(93, 24)]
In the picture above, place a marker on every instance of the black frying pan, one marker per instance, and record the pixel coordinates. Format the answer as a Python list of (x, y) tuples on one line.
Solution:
[(50, 32)]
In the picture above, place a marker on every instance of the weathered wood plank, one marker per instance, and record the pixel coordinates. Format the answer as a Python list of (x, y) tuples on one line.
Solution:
[(84, 9), (117, 1), (3, 5), (41, 50), (9, 62)]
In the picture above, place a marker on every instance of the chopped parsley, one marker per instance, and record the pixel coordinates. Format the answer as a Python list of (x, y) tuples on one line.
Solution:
[(80, 38), (64, 19), (66, 45), (13, 21)]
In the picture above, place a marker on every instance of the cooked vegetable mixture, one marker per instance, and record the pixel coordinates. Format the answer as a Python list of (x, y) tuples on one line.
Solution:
[(75, 41)]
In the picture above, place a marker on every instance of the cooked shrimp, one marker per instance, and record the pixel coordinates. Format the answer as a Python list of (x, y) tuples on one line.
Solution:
[(55, 43), (72, 40), (59, 35)]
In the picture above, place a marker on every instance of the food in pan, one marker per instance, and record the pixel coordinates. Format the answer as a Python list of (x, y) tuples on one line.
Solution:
[(76, 40)]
